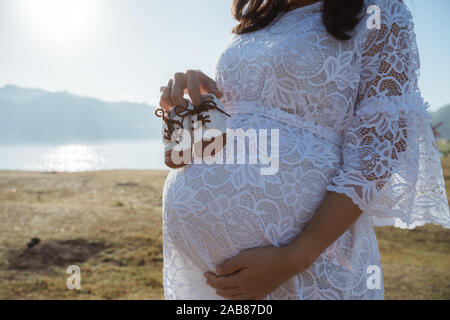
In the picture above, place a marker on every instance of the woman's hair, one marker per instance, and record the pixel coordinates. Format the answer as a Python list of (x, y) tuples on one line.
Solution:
[(339, 16)]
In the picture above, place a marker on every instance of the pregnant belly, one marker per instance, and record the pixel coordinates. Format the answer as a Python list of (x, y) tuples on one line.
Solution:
[(213, 212)]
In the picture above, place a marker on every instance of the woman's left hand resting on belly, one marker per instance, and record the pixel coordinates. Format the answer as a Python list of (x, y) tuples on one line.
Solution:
[(255, 273)]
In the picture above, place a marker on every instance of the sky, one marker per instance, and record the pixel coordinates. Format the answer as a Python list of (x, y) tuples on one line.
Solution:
[(119, 50)]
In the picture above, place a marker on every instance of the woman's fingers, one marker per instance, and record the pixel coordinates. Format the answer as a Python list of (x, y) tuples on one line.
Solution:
[(193, 82), (229, 297), (236, 295), (233, 291), (193, 87), (177, 91), (166, 102), (209, 85), (222, 282)]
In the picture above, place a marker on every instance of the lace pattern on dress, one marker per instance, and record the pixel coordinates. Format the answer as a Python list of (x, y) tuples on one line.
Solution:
[(392, 167)]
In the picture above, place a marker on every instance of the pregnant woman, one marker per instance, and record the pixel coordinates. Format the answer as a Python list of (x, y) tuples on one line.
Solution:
[(355, 150)]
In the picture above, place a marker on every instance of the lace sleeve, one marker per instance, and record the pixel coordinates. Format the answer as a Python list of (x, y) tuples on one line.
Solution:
[(391, 165)]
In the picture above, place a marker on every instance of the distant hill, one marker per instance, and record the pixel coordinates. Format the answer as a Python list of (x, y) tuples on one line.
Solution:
[(442, 114), (18, 95), (33, 115)]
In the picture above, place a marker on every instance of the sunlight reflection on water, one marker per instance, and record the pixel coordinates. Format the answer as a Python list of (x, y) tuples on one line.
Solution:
[(83, 157), (74, 157)]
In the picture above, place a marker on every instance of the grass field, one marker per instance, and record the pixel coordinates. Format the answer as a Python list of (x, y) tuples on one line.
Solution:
[(444, 147), (109, 224)]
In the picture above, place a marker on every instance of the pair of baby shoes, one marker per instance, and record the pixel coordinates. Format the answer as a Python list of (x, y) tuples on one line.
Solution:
[(198, 131)]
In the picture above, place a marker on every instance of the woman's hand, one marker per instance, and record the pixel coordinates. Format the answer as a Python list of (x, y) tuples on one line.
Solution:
[(253, 274), (195, 83)]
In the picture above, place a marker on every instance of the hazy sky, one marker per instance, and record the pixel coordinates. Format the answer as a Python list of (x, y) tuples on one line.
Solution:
[(127, 49)]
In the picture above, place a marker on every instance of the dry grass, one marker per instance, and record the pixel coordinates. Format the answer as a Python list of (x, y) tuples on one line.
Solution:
[(120, 210), (114, 220)]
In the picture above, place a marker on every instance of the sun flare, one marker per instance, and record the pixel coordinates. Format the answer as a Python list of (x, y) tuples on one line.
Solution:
[(60, 19)]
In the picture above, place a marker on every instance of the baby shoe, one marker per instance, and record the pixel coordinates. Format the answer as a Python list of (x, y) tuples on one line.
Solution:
[(211, 115), (176, 134)]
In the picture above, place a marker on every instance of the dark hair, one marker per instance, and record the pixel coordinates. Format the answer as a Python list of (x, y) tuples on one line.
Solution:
[(339, 16)]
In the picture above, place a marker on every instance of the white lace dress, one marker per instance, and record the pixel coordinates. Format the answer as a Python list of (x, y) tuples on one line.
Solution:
[(351, 120)]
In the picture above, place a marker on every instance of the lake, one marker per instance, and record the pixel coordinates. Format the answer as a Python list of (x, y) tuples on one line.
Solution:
[(110, 155)]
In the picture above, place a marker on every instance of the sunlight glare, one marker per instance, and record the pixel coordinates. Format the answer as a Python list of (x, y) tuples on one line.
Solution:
[(60, 19), (70, 158)]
